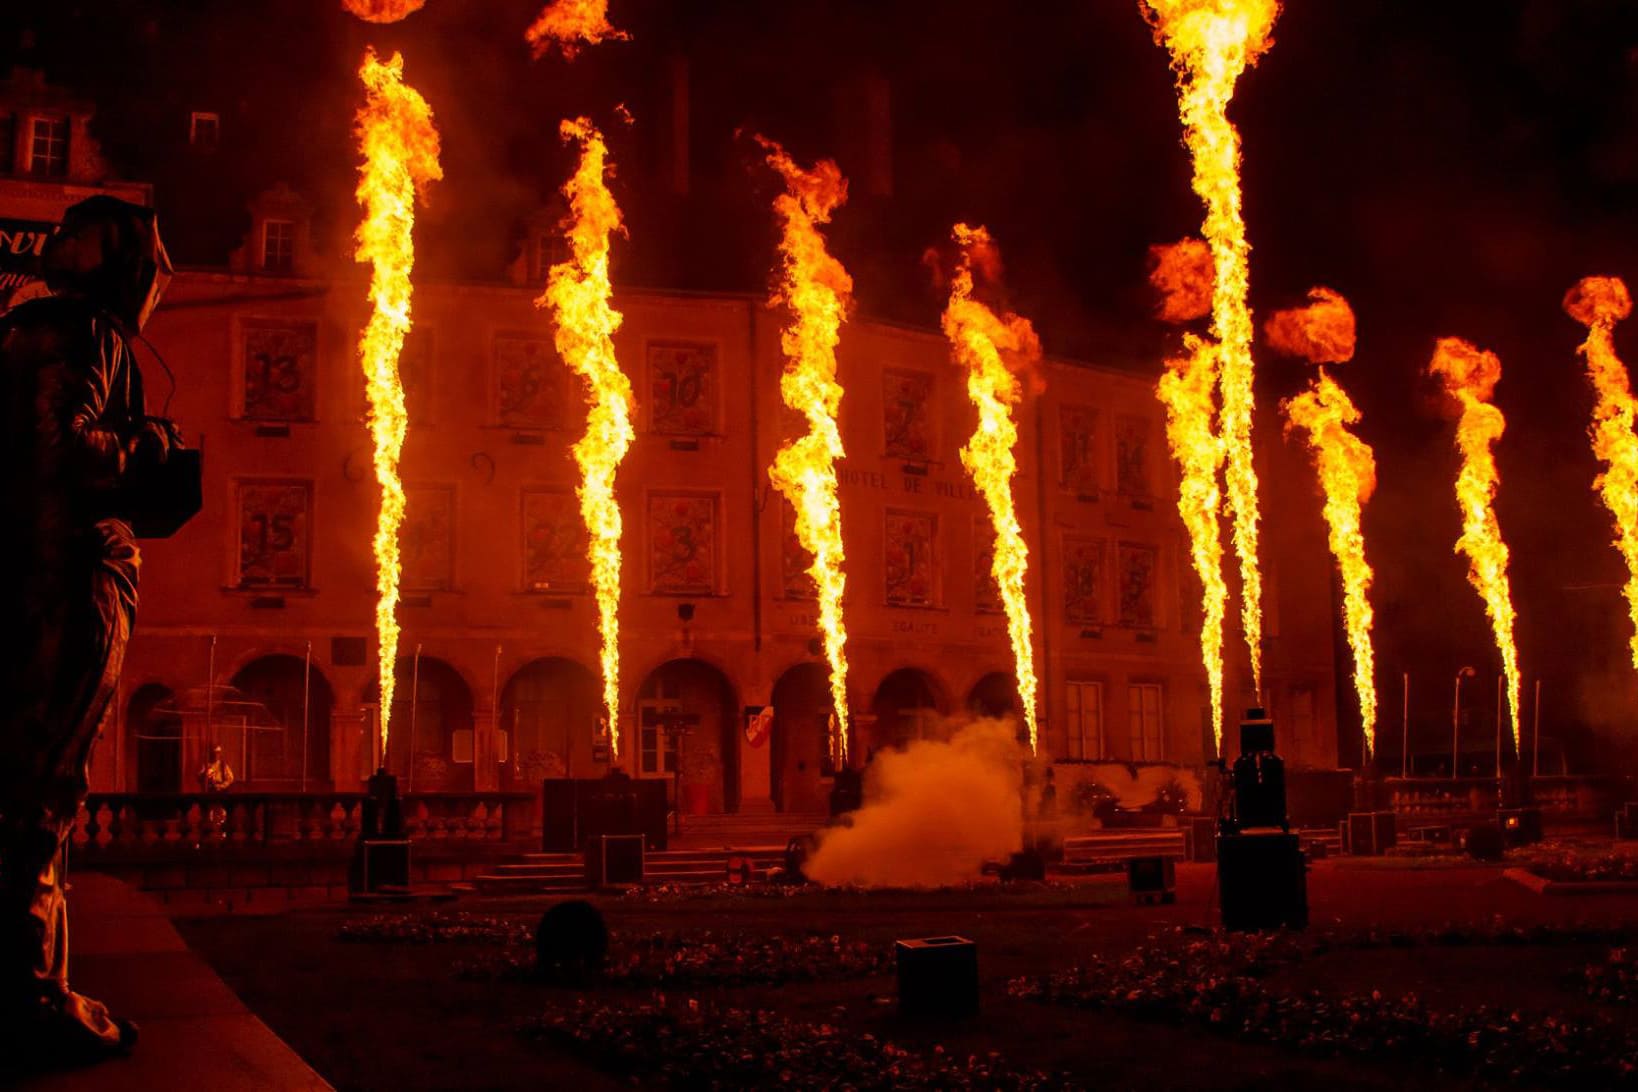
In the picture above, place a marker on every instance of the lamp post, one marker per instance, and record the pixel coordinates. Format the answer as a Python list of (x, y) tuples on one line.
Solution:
[(1456, 722)]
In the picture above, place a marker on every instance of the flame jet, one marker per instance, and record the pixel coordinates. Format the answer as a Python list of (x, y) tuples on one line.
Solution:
[(993, 347), (1212, 42), (1598, 303), (578, 292), (1470, 376), (1323, 333), (1186, 391), (400, 148), (818, 293), (569, 25), (383, 11)]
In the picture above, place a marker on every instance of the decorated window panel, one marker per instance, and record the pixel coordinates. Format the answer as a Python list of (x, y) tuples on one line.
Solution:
[(682, 388), (426, 542), (907, 415), (987, 592), (1139, 568), (794, 560), (532, 384), (554, 542), (280, 360), (1133, 456), (1077, 449), (274, 534), (1083, 569), (415, 373), (682, 543), (911, 568)]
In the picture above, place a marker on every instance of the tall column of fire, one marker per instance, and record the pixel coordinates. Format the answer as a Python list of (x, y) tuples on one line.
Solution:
[(818, 292), (1598, 303), (578, 292), (1470, 376), (400, 149), (1181, 273), (994, 348), (1323, 333), (1211, 43)]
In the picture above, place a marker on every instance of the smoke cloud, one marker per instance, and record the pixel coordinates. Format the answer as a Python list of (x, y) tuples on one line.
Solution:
[(934, 812)]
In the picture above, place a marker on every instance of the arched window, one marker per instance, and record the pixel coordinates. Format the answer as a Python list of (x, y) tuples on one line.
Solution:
[(549, 712), (155, 730), (281, 713)]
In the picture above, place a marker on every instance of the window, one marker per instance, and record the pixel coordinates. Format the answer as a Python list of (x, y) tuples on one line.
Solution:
[(48, 147), (549, 249), (682, 543), (204, 130), (8, 143), (1085, 706), (278, 245), (274, 519), (279, 364), (1143, 708), (682, 387), (907, 415), (911, 562), (659, 729)]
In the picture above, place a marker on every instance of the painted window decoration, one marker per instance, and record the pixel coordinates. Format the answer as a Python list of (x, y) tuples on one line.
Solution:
[(274, 525), (415, 373), (682, 543), (1083, 580), (426, 543), (1138, 566), (987, 593), (554, 542), (279, 363), (1077, 448), (1132, 456), (907, 412), (531, 383), (911, 569), (794, 559), (682, 387)]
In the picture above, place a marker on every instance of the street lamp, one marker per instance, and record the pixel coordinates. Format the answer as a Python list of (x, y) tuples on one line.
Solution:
[(1456, 722)]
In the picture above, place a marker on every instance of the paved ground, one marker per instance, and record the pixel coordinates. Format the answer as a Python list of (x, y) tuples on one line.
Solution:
[(196, 1034)]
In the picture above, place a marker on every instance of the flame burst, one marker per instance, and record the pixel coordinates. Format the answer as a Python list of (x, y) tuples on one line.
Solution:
[(818, 292), (1323, 332), (578, 292), (1470, 375), (400, 148), (1181, 274), (383, 11), (1186, 391), (992, 347), (1599, 303), (569, 25), (1211, 43)]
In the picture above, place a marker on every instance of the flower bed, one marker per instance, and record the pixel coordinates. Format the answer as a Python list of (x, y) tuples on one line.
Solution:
[(701, 1047)]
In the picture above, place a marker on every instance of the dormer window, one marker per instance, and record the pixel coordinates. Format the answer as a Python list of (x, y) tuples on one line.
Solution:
[(48, 147), (278, 246), (204, 130), (549, 250), (8, 143)]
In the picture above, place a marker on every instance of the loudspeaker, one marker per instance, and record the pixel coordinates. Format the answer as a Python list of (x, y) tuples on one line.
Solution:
[(938, 977), (1369, 833), (1151, 879), (614, 858), (1262, 881), (381, 863)]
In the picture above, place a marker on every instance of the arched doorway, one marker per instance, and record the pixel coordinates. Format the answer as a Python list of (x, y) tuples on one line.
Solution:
[(431, 721), (155, 728), (289, 746), (687, 730), (799, 753), (996, 696), (549, 711), (908, 705)]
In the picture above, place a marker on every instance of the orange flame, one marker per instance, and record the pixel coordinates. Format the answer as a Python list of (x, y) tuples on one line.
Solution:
[(1320, 333), (1181, 274), (1598, 303), (578, 292), (400, 149), (569, 25), (1212, 42), (1186, 391), (1347, 473), (818, 292), (1470, 375), (383, 11), (993, 347)]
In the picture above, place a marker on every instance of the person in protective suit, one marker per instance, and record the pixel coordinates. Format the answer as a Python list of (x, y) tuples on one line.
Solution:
[(74, 433)]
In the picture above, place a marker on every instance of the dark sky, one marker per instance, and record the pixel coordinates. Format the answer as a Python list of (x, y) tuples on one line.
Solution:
[(1451, 166)]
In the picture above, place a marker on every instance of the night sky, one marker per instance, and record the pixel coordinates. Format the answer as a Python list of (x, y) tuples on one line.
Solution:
[(1451, 167)]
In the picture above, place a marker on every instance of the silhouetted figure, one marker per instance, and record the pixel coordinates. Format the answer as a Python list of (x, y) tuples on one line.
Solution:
[(74, 433), (216, 775)]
